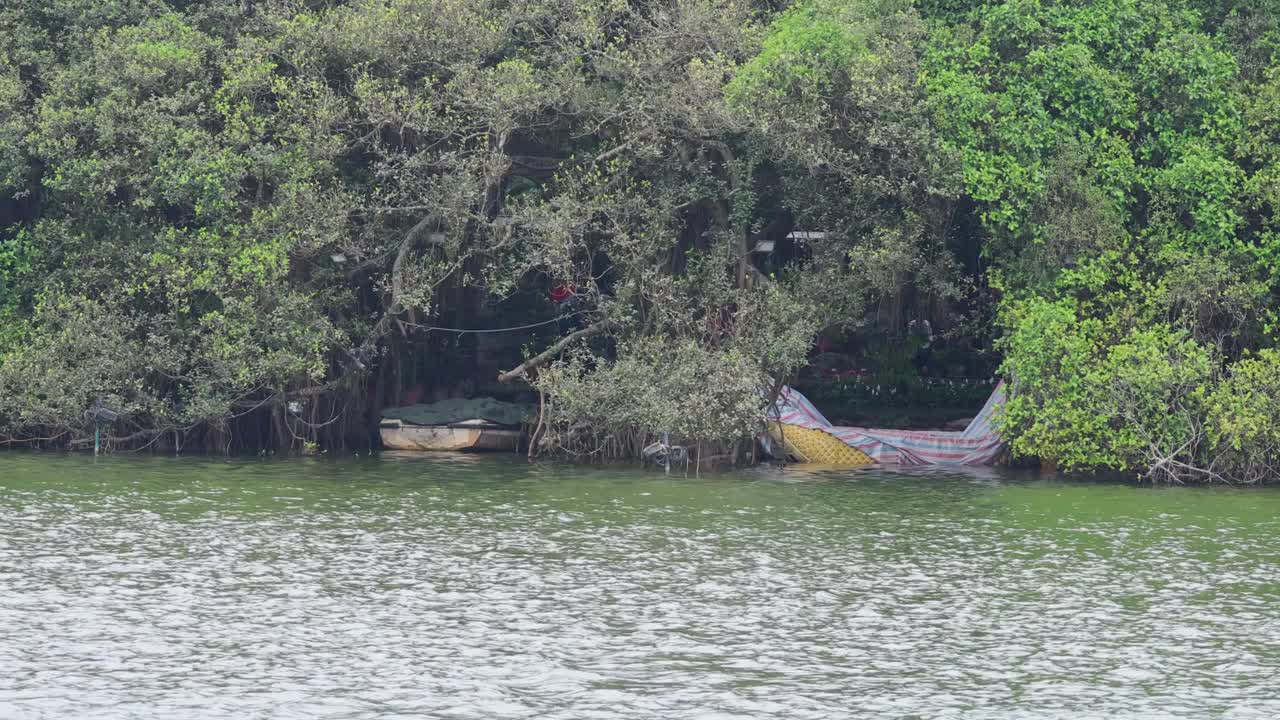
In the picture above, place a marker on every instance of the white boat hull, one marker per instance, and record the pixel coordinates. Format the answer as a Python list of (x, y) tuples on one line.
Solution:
[(460, 436)]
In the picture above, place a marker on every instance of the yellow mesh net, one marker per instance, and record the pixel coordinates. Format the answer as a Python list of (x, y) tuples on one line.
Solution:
[(816, 446)]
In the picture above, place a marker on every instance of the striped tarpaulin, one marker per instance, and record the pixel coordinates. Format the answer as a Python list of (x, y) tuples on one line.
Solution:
[(977, 444)]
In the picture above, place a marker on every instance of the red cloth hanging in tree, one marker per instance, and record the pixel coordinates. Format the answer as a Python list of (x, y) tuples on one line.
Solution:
[(563, 292)]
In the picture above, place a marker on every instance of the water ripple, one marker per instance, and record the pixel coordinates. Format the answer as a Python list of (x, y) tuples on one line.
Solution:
[(466, 588)]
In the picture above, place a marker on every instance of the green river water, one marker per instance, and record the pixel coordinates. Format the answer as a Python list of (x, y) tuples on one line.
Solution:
[(402, 586)]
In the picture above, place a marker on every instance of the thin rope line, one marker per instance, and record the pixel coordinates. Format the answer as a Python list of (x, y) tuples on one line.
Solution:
[(461, 331)]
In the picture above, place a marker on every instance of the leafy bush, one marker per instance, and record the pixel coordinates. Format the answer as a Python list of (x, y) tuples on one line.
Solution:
[(86, 352), (656, 385), (1244, 419), (1093, 394), (704, 386)]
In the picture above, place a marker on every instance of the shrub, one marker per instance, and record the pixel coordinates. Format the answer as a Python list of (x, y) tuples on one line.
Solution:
[(1243, 417), (656, 385), (1092, 394), (705, 379)]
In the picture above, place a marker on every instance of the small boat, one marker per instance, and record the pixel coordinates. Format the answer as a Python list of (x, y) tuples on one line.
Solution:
[(473, 424), (474, 435)]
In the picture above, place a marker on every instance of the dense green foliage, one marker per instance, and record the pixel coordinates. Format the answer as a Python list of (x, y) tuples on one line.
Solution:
[(211, 211), (1120, 155)]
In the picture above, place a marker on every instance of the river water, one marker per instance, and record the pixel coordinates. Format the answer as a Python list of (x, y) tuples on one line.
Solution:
[(468, 587)]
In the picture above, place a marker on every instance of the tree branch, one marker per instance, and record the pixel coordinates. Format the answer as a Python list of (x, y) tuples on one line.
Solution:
[(397, 267), (610, 153), (546, 355)]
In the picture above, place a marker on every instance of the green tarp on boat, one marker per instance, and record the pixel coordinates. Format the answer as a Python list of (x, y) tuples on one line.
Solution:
[(457, 410)]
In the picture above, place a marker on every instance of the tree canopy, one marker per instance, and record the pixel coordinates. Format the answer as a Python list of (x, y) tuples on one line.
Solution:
[(214, 211)]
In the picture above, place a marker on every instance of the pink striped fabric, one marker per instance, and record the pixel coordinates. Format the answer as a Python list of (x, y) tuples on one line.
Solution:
[(977, 444)]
